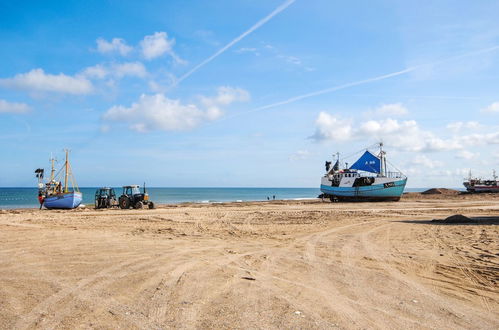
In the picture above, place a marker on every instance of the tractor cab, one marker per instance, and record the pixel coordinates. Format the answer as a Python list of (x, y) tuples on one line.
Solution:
[(131, 190), (132, 197), (105, 198)]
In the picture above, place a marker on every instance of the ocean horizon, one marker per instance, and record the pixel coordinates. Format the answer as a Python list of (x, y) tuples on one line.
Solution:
[(26, 197)]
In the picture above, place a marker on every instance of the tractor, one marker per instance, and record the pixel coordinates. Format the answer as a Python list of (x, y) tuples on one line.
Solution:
[(105, 198), (132, 197)]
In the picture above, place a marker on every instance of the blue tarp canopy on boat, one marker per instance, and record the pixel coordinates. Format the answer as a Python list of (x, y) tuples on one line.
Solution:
[(368, 162)]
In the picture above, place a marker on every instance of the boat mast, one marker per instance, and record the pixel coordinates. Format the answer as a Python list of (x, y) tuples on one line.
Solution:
[(52, 171), (66, 174), (382, 159)]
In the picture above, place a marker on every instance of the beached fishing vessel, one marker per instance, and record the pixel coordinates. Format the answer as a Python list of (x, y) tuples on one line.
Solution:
[(479, 185), (366, 180), (55, 194)]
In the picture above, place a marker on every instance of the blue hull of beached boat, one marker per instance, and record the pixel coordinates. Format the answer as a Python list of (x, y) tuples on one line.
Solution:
[(68, 200), (374, 192)]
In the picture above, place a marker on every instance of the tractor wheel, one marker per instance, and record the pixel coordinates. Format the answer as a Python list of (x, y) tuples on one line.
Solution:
[(138, 205), (151, 205), (124, 203), (96, 203)]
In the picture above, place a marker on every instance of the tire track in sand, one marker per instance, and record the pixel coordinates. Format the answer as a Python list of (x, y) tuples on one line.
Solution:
[(455, 307), (84, 291)]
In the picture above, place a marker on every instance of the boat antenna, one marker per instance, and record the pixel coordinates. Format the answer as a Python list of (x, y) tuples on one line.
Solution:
[(494, 174), (52, 171)]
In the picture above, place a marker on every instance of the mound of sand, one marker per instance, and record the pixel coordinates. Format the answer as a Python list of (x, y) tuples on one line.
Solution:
[(440, 191), (457, 218)]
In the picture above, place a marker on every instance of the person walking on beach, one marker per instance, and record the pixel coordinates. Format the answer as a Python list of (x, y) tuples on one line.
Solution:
[(41, 200)]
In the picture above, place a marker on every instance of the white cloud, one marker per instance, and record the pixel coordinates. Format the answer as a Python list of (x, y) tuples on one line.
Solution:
[(465, 154), (329, 127), (479, 139), (116, 45), (157, 112), (38, 81), (99, 71), (12, 107), (162, 82), (157, 45), (493, 108), (226, 95), (135, 69), (401, 135), (459, 125), (424, 161)]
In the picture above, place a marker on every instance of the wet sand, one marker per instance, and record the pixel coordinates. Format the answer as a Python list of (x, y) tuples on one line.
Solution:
[(279, 264)]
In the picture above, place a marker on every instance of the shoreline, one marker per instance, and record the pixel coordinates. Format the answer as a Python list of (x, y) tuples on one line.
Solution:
[(22, 199), (459, 195), (163, 205)]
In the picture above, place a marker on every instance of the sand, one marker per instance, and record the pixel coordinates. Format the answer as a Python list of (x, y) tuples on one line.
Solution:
[(302, 264)]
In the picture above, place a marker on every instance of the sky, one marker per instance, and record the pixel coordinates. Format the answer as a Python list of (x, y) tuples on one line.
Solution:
[(248, 93)]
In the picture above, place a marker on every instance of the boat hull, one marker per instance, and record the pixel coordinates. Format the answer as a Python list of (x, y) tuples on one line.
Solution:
[(68, 200), (479, 189), (375, 192)]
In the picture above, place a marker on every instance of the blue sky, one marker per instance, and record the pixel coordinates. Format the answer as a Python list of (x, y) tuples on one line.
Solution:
[(247, 93)]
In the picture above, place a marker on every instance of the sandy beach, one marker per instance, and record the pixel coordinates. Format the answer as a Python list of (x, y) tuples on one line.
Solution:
[(269, 265)]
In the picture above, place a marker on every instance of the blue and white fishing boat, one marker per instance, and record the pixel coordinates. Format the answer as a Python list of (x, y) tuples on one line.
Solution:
[(365, 180), (69, 200), (58, 196)]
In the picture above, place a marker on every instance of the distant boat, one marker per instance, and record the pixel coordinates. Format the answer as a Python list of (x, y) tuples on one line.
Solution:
[(366, 180), (479, 185), (57, 196)]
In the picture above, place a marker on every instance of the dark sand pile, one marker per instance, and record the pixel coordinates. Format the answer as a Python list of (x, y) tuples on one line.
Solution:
[(457, 218), (440, 191)]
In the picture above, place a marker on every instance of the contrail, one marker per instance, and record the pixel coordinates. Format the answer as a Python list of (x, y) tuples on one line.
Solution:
[(261, 22), (365, 81), (333, 89)]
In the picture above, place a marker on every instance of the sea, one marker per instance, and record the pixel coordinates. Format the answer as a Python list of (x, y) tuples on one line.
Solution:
[(13, 198)]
